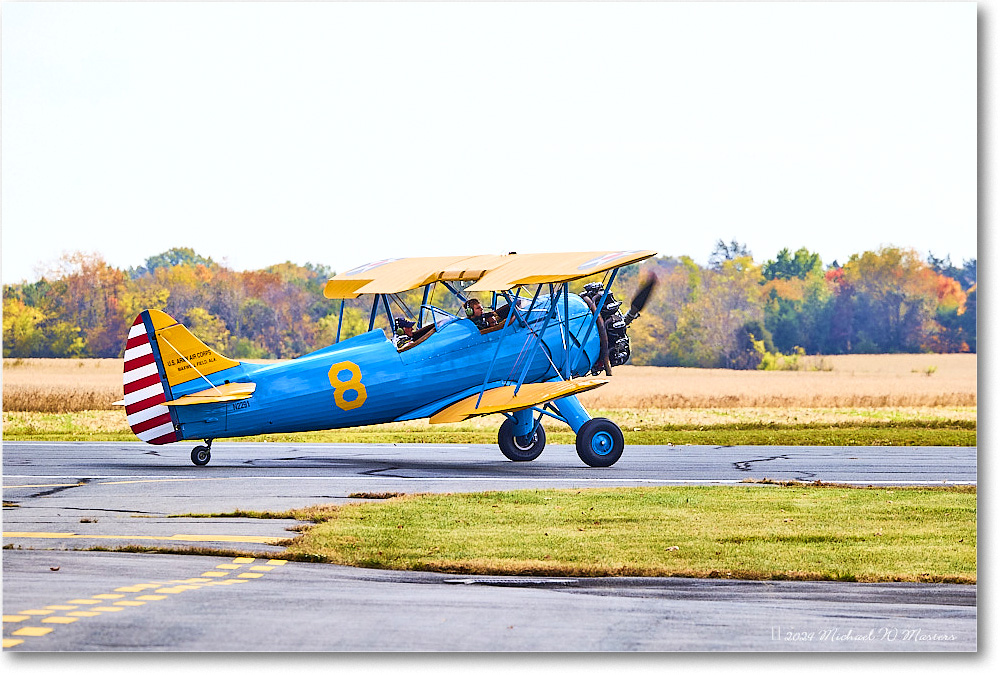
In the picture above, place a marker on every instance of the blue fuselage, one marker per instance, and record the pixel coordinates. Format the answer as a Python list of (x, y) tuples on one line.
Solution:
[(366, 380)]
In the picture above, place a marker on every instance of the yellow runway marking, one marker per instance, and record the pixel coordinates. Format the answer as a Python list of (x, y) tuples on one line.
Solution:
[(92, 606), (40, 535), (228, 566), (32, 631), (176, 537), (261, 568)]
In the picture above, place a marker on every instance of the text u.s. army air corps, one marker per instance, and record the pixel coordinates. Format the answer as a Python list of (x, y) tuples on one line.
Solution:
[(201, 358)]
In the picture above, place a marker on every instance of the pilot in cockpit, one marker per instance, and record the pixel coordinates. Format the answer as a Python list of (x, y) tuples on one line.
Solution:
[(404, 331), (474, 310)]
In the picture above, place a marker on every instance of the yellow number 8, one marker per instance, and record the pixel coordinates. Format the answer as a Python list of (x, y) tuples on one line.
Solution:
[(353, 384)]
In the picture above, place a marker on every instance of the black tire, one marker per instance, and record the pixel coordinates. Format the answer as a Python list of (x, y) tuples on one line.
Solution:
[(522, 449), (201, 455), (600, 442)]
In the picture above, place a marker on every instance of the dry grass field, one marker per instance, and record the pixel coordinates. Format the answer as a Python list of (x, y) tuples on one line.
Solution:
[(848, 381), (851, 381), (61, 385)]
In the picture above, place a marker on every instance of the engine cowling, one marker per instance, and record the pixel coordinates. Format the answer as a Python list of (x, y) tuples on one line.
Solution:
[(615, 325)]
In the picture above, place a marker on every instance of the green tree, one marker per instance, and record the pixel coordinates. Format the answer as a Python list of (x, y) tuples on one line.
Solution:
[(22, 329), (66, 340), (786, 266), (797, 301), (172, 258), (709, 329)]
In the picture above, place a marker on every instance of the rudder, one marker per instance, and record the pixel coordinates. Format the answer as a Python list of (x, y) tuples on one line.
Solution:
[(160, 355), (149, 419)]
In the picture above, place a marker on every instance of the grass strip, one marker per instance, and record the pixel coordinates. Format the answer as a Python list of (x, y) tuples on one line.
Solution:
[(766, 531), (789, 531)]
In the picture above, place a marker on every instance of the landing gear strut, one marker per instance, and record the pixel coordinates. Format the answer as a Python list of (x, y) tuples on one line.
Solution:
[(202, 454)]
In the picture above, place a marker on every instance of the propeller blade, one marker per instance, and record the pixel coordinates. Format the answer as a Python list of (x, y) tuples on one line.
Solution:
[(642, 295), (641, 298)]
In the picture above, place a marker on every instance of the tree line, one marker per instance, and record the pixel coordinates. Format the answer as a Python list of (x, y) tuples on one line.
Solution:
[(736, 313), (732, 313)]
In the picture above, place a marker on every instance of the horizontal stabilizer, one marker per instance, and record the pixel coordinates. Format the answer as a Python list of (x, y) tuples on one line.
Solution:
[(502, 399), (234, 391)]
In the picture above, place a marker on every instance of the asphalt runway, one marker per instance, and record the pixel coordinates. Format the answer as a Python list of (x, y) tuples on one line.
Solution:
[(61, 498)]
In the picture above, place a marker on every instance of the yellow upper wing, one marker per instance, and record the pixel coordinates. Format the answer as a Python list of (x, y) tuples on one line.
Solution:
[(490, 272), (550, 268)]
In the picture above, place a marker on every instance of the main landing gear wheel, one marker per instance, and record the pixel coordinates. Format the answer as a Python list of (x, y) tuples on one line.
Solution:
[(201, 455), (523, 448), (600, 442)]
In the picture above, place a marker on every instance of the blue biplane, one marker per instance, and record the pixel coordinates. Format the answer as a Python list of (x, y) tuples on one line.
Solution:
[(527, 356)]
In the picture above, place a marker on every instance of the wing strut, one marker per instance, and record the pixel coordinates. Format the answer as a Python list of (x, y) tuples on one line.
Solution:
[(514, 313), (553, 305), (371, 318), (340, 321)]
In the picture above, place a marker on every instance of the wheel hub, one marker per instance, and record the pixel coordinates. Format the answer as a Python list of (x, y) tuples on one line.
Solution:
[(602, 443)]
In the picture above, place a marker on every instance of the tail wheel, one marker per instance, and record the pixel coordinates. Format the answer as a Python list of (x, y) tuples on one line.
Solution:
[(600, 442), (201, 455), (523, 448)]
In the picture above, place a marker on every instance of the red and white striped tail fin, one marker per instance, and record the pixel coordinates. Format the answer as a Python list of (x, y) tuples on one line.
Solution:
[(144, 396)]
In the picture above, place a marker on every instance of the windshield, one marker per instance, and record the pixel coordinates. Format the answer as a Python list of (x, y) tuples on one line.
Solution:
[(440, 318)]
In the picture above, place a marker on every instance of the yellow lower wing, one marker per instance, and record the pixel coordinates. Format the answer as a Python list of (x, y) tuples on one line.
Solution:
[(502, 399), (233, 391)]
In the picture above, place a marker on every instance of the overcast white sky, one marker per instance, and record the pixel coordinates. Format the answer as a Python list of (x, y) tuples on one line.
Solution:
[(342, 133)]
